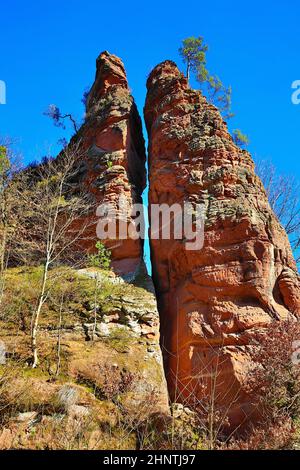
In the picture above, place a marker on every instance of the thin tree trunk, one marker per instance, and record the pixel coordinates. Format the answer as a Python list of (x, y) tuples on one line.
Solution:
[(95, 307), (3, 247), (49, 251), (188, 72), (3, 263), (211, 426), (59, 340), (36, 316)]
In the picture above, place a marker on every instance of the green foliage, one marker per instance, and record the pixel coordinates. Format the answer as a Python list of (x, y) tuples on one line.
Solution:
[(21, 294), (193, 52), (102, 259), (109, 162), (220, 95), (239, 138), (51, 181)]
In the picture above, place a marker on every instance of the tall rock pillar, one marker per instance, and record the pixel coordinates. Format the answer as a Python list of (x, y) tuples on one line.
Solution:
[(213, 301), (113, 157)]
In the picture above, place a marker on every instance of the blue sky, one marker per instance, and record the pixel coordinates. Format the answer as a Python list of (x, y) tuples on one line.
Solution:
[(49, 48)]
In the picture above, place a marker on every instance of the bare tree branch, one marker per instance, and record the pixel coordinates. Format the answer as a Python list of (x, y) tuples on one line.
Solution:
[(284, 196)]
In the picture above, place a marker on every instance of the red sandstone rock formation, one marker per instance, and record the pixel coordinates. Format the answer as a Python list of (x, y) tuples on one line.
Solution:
[(114, 166), (212, 301)]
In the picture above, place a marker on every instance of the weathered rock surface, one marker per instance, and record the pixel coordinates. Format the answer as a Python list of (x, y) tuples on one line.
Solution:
[(114, 156), (212, 301)]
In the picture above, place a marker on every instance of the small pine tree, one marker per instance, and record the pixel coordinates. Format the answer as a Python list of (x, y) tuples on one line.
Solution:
[(239, 138), (193, 53), (101, 259), (220, 95)]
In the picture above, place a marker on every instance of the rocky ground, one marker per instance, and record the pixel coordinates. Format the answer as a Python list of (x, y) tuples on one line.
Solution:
[(99, 376)]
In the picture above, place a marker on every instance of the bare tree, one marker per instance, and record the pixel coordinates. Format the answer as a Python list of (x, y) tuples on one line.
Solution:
[(4, 175), (58, 361), (55, 219), (284, 196), (54, 113), (10, 165)]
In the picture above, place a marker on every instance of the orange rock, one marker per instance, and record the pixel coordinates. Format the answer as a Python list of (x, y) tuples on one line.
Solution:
[(114, 163), (212, 301)]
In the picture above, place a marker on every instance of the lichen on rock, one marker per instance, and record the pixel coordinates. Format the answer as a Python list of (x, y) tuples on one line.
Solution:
[(212, 301)]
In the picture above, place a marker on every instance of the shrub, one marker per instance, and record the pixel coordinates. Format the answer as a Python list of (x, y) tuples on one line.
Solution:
[(102, 258), (115, 382), (274, 384)]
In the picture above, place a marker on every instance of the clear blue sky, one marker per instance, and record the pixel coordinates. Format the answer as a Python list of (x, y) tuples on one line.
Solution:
[(48, 52)]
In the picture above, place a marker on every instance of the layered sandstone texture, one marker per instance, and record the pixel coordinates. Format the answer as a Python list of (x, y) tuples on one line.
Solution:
[(113, 167), (213, 301)]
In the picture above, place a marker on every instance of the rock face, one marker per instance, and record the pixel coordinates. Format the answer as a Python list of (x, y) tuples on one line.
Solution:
[(113, 166), (212, 301)]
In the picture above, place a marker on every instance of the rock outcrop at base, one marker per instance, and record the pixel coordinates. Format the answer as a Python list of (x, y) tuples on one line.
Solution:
[(212, 301), (113, 165), (100, 370)]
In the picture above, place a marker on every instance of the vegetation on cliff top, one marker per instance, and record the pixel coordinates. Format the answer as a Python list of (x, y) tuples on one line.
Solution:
[(193, 52)]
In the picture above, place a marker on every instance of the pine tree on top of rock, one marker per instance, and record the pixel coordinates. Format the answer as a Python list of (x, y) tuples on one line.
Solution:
[(193, 52)]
